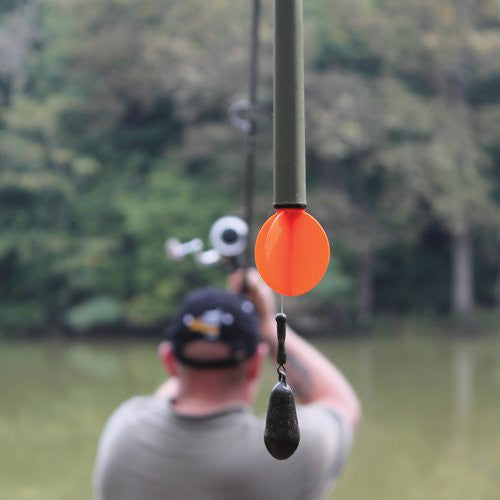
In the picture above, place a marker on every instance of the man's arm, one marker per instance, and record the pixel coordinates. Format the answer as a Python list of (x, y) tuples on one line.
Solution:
[(312, 376)]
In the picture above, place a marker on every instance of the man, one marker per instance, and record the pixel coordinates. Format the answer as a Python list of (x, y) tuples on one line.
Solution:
[(196, 438)]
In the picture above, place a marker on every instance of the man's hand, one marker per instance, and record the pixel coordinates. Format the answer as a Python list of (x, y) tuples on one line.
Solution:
[(261, 296)]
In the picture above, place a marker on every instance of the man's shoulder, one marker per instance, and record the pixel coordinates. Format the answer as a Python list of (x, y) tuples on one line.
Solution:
[(135, 404), (314, 412), (320, 420), (326, 435), (135, 410)]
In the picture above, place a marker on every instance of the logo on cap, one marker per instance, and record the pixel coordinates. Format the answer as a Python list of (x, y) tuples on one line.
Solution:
[(209, 323)]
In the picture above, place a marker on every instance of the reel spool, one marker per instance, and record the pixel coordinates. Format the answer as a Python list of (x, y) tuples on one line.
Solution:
[(228, 235)]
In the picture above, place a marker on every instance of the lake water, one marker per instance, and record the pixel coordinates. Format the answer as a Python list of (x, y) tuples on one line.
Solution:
[(430, 427)]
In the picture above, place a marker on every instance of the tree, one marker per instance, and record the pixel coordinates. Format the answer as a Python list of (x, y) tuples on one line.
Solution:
[(435, 56), (457, 41), (19, 34)]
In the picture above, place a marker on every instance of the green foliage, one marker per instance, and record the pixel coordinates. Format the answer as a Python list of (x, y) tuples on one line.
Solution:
[(94, 312), (169, 204), (110, 143), (338, 287), (17, 315)]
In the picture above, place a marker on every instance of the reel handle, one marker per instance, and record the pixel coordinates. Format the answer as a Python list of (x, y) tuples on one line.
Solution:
[(177, 250)]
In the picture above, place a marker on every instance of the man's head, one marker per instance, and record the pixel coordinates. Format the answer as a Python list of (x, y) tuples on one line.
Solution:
[(215, 329), (215, 349)]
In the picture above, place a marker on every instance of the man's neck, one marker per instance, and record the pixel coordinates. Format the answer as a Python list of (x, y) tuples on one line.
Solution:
[(195, 406)]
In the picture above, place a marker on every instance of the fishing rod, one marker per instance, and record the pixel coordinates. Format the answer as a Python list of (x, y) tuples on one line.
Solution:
[(243, 115), (231, 236), (252, 133)]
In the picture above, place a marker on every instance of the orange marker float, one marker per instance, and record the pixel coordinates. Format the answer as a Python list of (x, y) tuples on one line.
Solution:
[(292, 251)]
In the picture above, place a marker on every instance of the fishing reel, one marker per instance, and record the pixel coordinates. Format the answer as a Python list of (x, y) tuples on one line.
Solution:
[(228, 236)]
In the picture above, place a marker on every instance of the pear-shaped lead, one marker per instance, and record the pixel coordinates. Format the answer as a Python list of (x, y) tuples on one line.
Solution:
[(281, 435)]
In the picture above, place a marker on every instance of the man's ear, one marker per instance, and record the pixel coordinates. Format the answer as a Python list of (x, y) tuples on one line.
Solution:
[(256, 360), (166, 354)]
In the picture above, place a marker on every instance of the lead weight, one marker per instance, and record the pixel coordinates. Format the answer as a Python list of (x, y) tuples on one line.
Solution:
[(281, 435)]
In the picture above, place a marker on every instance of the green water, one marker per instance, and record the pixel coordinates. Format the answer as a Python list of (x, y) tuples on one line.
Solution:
[(430, 427)]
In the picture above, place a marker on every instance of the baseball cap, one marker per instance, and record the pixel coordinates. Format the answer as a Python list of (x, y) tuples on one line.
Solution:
[(213, 315)]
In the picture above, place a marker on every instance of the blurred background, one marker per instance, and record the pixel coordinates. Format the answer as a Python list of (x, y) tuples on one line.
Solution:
[(114, 135)]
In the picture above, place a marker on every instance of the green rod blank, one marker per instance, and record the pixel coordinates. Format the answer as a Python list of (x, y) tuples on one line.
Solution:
[(289, 124)]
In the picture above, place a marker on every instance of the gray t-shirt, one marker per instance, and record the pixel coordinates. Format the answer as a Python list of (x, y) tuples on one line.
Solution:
[(149, 452)]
